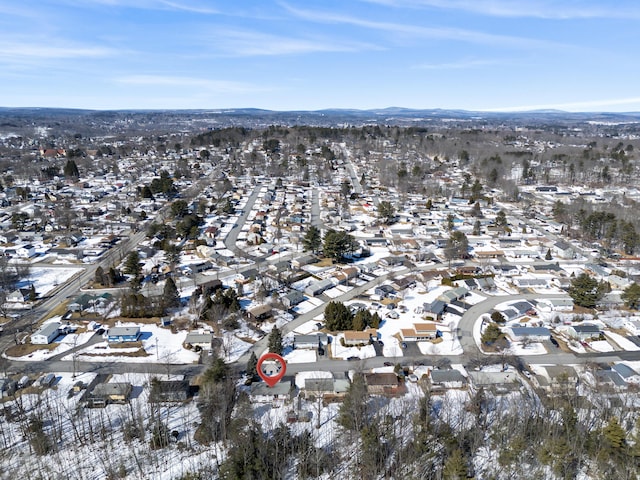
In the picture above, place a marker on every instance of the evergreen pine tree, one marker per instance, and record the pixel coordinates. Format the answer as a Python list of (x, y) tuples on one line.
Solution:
[(252, 364), (170, 295), (455, 467), (275, 341)]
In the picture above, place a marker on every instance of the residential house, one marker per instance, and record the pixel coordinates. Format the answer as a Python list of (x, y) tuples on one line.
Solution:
[(584, 331), (280, 394), (625, 371), (564, 304), (385, 291), (563, 249), (26, 251), (260, 313), (392, 261), (87, 301), (401, 283), (303, 260), (342, 276), (561, 377), (534, 334), (20, 295), (9, 237), (497, 382), (7, 387), (420, 332), (319, 340), (434, 310), (211, 286), (382, 383), (528, 282), (248, 275), (199, 340), (169, 391), (105, 393), (457, 293), (123, 334), (445, 379), (316, 288), (46, 334), (632, 326), (327, 388), (610, 380), (291, 299), (353, 338)]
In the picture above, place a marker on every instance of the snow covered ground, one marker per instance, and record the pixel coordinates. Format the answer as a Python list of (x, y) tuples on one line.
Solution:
[(159, 344)]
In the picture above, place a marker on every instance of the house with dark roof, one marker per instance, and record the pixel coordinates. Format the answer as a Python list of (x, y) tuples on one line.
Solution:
[(382, 383), (584, 331), (105, 393), (445, 379), (291, 299)]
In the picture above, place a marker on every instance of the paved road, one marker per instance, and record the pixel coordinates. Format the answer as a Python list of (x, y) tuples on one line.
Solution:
[(232, 236)]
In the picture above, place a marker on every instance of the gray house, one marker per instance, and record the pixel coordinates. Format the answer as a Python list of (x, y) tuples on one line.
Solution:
[(316, 288), (293, 298), (46, 334)]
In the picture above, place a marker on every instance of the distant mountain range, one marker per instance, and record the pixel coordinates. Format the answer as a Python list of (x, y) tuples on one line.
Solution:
[(255, 117)]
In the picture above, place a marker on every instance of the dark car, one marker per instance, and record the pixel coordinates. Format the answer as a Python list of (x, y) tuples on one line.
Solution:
[(388, 364), (554, 342), (353, 358)]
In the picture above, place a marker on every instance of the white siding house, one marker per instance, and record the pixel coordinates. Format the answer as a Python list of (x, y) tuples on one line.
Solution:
[(46, 334)]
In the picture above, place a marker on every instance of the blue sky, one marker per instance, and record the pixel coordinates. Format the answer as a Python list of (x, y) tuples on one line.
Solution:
[(575, 55)]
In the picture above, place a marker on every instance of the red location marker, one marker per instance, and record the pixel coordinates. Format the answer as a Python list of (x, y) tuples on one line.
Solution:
[(275, 374)]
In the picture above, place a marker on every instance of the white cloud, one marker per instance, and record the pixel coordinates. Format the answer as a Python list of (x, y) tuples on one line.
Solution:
[(185, 5), (554, 9), (464, 35), (460, 65), (222, 86), (247, 43), (23, 50)]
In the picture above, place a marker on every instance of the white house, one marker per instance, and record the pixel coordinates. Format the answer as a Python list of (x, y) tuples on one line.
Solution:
[(633, 326), (26, 251), (46, 334)]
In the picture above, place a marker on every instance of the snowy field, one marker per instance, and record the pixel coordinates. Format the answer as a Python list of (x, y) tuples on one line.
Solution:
[(159, 344), (46, 279)]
